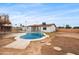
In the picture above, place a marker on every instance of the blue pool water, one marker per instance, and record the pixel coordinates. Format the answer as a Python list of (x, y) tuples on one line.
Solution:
[(32, 36)]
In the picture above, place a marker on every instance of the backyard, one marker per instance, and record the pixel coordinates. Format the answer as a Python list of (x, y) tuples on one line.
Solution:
[(66, 43)]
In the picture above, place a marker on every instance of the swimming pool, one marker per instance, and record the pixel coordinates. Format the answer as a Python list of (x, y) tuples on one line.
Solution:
[(32, 36)]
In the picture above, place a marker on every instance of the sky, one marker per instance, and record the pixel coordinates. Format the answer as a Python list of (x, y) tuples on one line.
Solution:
[(36, 13)]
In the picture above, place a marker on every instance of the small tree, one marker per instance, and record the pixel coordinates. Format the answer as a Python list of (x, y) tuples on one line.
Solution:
[(20, 25), (68, 26), (60, 27), (44, 23), (76, 27)]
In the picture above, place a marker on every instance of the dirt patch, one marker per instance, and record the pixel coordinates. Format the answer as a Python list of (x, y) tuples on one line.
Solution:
[(68, 30), (67, 44), (5, 41)]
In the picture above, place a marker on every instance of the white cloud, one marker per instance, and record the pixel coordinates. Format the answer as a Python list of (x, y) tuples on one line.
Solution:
[(66, 12), (36, 16)]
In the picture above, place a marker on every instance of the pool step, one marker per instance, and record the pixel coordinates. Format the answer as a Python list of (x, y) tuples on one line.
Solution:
[(18, 44)]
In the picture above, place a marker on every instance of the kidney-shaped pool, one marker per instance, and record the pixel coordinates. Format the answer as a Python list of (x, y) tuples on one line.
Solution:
[(32, 36)]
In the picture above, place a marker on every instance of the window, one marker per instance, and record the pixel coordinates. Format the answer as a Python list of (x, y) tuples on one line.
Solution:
[(44, 28)]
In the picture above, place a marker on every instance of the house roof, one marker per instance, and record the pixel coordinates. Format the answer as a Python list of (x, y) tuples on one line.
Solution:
[(40, 25), (7, 21), (4, 21)]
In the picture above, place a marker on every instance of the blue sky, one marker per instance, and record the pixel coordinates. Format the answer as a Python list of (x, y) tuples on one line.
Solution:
[(36, 13)]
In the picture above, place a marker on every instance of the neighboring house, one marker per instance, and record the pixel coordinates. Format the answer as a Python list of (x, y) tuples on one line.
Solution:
[(24, 28), (42, 28), (5, 24)]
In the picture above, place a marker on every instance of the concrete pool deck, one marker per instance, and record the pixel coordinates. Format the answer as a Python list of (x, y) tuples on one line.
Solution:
[(21, 43), (18, 44)]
